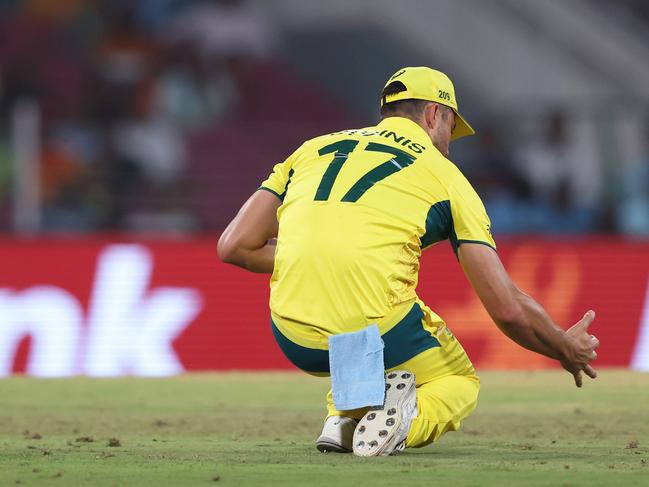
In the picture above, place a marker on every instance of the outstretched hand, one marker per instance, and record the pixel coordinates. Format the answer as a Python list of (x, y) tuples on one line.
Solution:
[(581, 349)]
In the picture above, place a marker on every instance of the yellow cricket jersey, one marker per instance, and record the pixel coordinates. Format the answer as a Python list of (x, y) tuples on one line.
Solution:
[(358, 207)]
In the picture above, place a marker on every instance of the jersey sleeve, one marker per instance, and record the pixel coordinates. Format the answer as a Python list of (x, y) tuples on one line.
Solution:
[(469, 219), (278, 181)]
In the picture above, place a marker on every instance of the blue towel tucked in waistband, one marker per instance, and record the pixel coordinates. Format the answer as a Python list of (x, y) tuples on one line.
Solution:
[(357, 371)]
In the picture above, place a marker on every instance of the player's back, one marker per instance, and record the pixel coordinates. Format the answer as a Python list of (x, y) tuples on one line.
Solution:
[(358, 207)]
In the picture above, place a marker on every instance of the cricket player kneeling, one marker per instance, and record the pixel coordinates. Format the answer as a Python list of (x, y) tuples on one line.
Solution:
[(341, 225)]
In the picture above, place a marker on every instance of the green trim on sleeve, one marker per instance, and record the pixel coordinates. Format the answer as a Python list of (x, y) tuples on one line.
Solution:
[(460, 242), (283, 195), (271, 191)]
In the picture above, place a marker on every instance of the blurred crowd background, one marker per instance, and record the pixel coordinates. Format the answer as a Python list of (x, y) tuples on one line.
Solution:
[(163, 116)]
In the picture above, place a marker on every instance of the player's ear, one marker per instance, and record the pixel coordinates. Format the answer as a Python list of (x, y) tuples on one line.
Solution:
[(430, 112)]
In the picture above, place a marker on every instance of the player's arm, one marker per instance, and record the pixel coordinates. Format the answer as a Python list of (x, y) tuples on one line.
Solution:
[(522, 319), (247, 240)]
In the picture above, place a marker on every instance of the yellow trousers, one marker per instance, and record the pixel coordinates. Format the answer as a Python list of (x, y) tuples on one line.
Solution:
[(447, 391)]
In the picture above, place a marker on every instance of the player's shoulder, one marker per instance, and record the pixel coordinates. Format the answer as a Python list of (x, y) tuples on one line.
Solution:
[(449, 177), (458, 184), (454, 172), (446, 171)]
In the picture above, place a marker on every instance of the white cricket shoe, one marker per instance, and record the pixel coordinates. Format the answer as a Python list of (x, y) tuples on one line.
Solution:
[(383, 431), (337, 435)]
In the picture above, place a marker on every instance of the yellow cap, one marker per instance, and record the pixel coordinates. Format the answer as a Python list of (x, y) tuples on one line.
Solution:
[(424, 83)]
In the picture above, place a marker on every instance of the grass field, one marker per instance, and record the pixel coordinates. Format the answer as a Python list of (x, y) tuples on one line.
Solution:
[(259, 429)]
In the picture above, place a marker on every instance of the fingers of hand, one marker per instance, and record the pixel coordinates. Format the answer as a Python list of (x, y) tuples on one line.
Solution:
[(587, 319), (578, 379), (590, 372), (584, 350), (595, 342)]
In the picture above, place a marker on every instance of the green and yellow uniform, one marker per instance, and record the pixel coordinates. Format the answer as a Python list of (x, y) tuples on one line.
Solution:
[(358, 207)]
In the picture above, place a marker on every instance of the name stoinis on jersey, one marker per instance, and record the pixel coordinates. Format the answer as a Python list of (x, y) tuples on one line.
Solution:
[(388, 134)]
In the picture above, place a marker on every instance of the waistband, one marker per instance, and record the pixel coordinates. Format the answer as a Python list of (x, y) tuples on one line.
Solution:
[(407, 338), (313, 337)]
